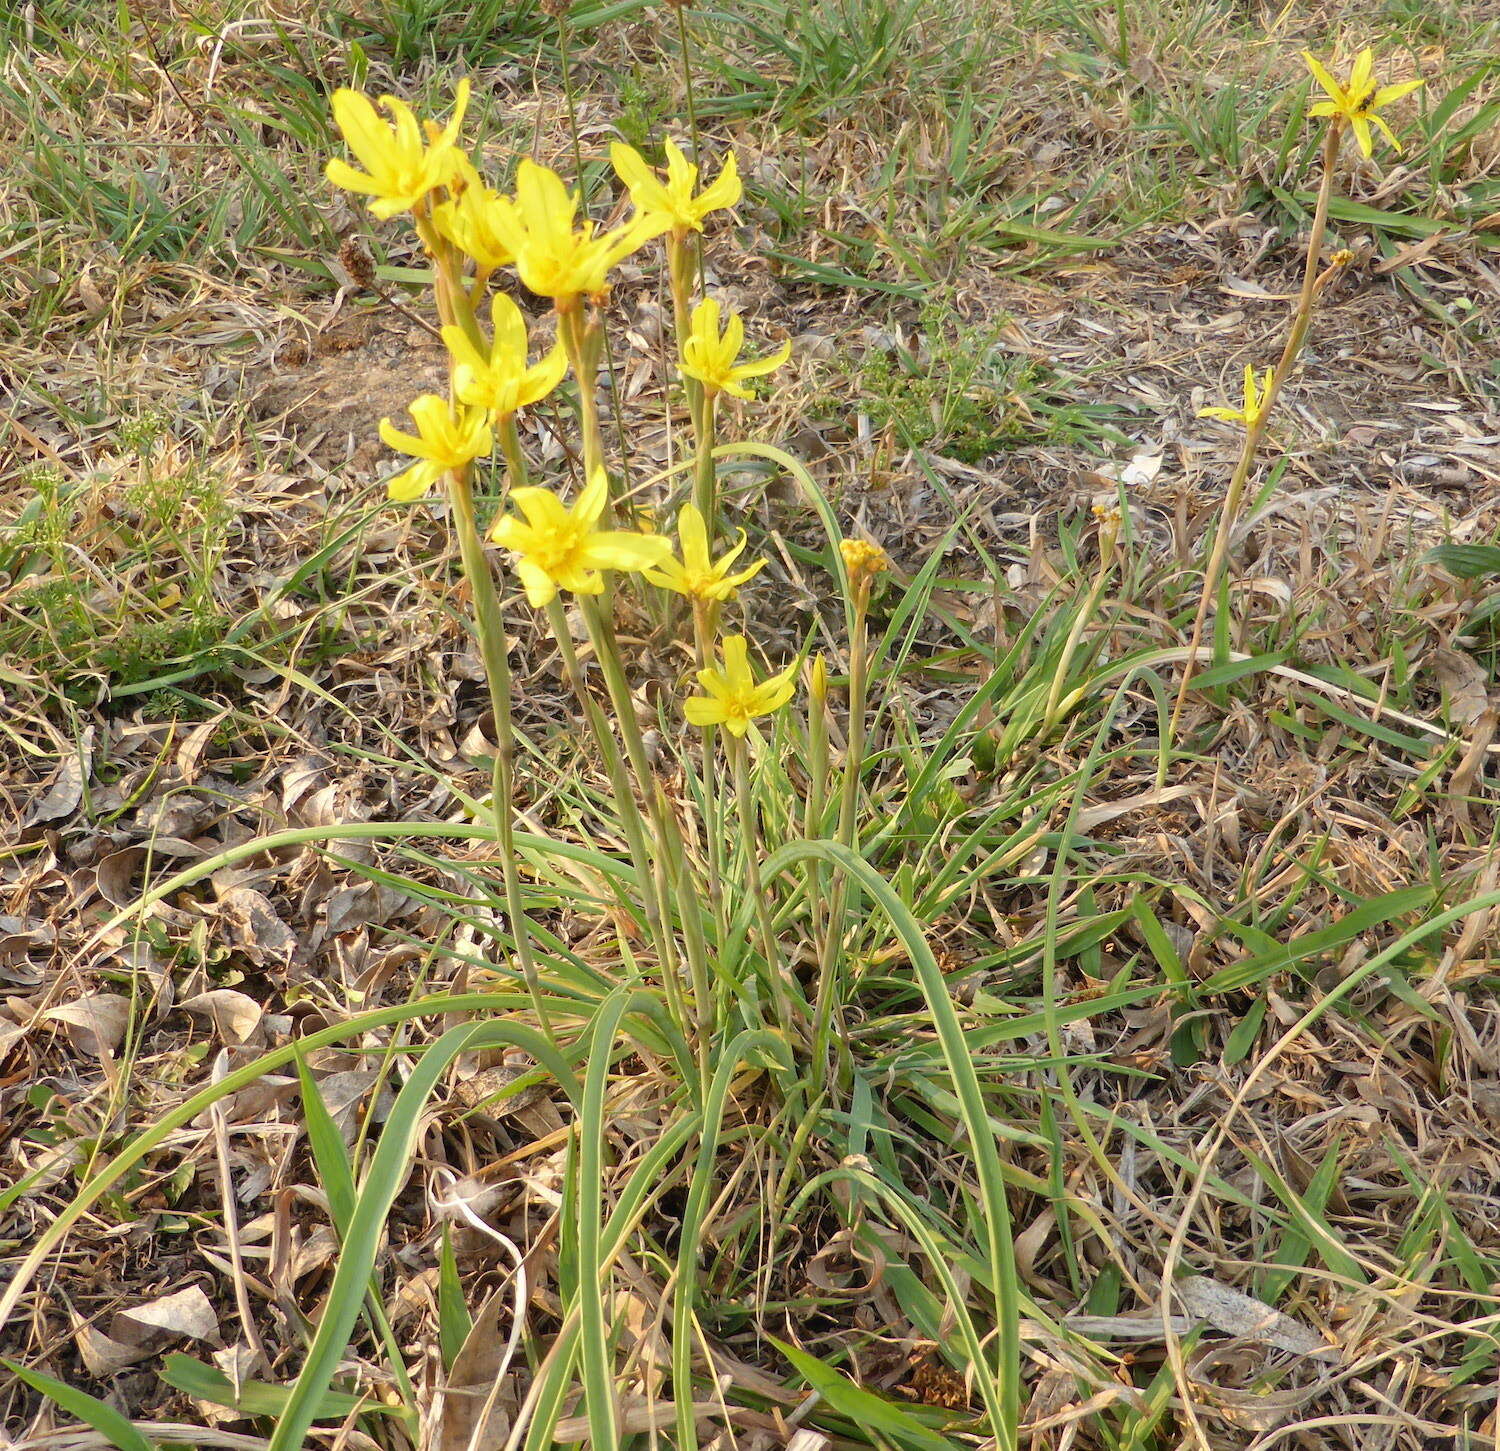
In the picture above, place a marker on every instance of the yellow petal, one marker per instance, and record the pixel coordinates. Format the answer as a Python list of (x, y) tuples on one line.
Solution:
[(701, 711), (726, 191), (543, 377), (1334, 89), (761, 366), (591, 502), (1389, 134), (1360, 125), (340, 173), (540, 588), (1359, 75), (1387, 94), (693, 534), (617, 549), (412, 483)]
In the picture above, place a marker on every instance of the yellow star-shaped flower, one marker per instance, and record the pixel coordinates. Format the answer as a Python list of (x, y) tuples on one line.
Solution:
[(560, 548), (554, 257), (709, 356), (733, 698), (1359, 100), (673, 201), (445, 440), (401, 164), (499, 380), (698, 576), (1256, 401), (467, 218)]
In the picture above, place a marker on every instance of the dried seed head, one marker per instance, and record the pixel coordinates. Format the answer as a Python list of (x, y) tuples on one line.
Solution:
[(355, 259)]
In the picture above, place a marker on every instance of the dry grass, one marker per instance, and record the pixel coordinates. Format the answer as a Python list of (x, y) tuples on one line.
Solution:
[(212, 628)]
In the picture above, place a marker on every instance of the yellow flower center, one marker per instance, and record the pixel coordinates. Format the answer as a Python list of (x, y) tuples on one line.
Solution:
[(555, 550)]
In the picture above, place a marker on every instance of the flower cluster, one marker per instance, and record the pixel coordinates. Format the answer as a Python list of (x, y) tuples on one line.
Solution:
[(472, 231)]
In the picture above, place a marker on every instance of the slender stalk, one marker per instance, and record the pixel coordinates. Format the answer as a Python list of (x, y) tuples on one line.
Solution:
[(1080, 623), (454, 305), (1233, 496), (579, 336), (776, 969), (847, 828), (491, 631), (516, 472), (664, 823), (705, 475), (703, 636), (817, 785), (642, 858)]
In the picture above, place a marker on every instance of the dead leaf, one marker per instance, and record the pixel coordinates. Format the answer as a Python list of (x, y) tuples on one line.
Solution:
[(257, 931), (183, 1315), (235, 1015), (115, 873), (101, 1356), (62, 797), (469, 1414), (95, 1023), (1464, 682), (1249, 1319)]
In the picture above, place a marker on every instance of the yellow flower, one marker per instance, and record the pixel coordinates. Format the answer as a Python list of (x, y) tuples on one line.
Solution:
[(1256, 401), (499, 381), (401, 165), (861, 558), (674, 201), (467, 219), (554, 257), (445, 440), (709, 356), (733, 697), (562, 548), (698, 576), (1359, 100)]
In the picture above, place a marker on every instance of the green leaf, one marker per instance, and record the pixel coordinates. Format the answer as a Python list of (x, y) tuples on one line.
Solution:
[(253, 1397), (1244, 1033), (867, 1410), (454, 1320), (106, 1420), (1466, 561)]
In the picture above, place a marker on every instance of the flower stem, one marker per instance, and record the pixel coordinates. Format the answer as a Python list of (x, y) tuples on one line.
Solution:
[(642, 858), (1233, 495), (703, 636), (664, 823), (1075, 633), (833, 936), (491, 631), (750, 825)]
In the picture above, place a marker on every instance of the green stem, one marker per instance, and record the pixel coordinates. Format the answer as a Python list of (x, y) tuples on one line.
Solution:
[(642, 858), (829, 963), (1254, 431), (703, 637), (1075, 634), (664, 823), (491, 631), (705, 475), (516, 473), (776, 970)]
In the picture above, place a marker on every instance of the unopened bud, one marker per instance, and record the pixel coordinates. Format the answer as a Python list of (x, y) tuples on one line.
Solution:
[(1343, 257), (817, 680), (862, 559)]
